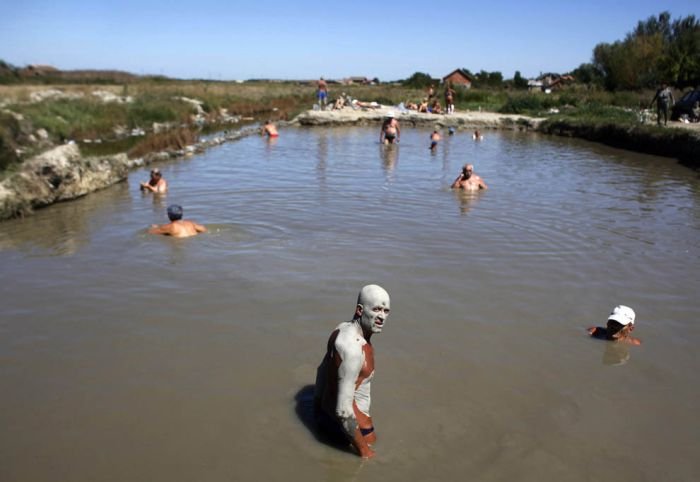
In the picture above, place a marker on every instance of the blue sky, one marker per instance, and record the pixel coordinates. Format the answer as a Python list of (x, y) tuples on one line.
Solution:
[(227, 40)]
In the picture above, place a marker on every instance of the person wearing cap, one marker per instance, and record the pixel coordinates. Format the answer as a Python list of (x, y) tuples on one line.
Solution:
[(469, 181), (391, 132), (342, 392), (156, 183), (618, 328), (177, 227)]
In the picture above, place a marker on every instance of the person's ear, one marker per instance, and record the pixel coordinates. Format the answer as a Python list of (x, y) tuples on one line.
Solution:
[(358, 311)]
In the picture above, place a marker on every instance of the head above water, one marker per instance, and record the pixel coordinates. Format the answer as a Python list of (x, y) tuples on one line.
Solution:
[(155, 172), (372, 310), (390, 115), (174, 212), (467, 170), (622, 314)]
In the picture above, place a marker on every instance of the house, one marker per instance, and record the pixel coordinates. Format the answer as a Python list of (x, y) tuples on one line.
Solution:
[(458, 78), (356, 80), (550, 81)]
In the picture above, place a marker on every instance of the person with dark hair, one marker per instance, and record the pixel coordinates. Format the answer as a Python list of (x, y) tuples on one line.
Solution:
[(269, 129), (434, 139), (391, 132), (618, 328), (156, 183), (177, 227), (322, 93), (664, 101)]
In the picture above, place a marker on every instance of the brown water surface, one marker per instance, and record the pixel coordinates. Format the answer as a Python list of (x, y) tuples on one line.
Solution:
[(125, 356)]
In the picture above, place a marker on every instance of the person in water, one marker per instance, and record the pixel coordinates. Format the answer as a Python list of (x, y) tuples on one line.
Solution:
[(391, 132), (269, 129), (477, 136), (469, 181), (156, 183), (342, 395), (618, 328), (434, 138), (177, 227)]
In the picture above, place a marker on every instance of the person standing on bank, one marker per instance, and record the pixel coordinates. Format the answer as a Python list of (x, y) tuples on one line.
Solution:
[(342, 395), (322, 93), (664, 101)]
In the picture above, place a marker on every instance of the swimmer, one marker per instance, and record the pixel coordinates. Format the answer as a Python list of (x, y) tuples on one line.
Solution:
[(177, 227), (342, 395), (391, 132), (469, 181), (451, 131), (156, 183), (618, 328), (269, 129), (434, 138), (477, 136)]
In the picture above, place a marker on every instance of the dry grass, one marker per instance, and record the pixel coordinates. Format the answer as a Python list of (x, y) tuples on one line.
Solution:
[(174, 139)]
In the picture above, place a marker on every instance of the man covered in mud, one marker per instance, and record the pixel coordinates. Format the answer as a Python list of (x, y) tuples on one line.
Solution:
[(342, 395), (469, 181), (177, 227)]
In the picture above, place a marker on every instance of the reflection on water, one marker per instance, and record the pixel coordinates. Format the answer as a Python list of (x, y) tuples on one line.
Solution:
[(616, 354), (116, 342), (467, 199)]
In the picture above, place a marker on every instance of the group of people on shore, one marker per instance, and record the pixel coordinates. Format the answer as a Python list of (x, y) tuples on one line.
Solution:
[(342, 395)]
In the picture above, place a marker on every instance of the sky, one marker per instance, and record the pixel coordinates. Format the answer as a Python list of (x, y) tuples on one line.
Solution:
[(233, 40)]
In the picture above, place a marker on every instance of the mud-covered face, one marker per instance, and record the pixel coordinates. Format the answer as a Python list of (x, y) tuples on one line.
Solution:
[(373, 307)]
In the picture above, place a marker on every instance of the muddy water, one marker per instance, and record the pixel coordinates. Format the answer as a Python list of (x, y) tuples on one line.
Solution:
[(130, 357)]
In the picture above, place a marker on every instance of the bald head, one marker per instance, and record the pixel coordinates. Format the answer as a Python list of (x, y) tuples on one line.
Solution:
[(373, 306)]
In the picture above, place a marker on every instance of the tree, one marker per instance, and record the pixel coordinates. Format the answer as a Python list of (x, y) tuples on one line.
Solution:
[(419, 80), (656, 50), (518, 81)]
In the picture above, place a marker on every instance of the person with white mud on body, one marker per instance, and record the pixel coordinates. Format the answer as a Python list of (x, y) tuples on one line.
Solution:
[(342, 395)]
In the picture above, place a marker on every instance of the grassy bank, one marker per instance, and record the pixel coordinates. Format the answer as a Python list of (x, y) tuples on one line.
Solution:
[(155, 105)]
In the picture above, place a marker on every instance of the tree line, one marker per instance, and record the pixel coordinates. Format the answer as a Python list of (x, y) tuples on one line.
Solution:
[(657, 50)]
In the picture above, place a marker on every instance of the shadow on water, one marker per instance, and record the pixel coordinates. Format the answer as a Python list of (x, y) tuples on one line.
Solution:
[(305, 411)]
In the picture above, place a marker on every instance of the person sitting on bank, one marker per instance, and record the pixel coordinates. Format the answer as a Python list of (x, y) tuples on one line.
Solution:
[(469, 181), (434, 138), (391, 132), (177, 227), (618, 328), (156, 183), (269, 129)]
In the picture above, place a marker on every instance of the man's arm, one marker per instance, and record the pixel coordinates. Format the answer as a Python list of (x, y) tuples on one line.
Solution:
[(482, 184), (352, 358), (162, 229), (199, 228), (457, 181)]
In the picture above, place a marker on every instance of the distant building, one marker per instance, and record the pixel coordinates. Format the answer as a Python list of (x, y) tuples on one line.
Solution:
[(356, 80), (458, 78), (549, 82)]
